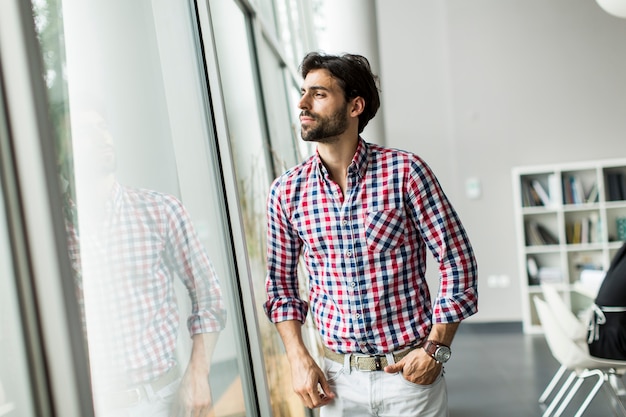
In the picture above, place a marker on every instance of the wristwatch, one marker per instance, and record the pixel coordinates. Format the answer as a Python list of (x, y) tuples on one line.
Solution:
[(439, 352)]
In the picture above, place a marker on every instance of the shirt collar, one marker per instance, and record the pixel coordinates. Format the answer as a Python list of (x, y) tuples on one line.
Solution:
[(115, 198), (359, 160)]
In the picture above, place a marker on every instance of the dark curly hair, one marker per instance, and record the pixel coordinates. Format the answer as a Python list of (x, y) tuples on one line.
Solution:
[(354, 75)]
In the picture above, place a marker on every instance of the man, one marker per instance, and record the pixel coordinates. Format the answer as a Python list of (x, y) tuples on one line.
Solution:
[(362, 216), (127, 246)]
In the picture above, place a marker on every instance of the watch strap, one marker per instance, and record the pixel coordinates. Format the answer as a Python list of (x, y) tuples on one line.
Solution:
[(431, 346)]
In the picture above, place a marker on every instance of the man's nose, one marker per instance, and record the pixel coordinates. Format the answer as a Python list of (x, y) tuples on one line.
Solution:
[(304, 102)]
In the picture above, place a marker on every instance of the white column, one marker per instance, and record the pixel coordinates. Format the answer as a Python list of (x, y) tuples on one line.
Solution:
[(350, 26)]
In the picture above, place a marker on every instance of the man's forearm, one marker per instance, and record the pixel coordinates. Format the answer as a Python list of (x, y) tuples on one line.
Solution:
[(291, 333), (202, 348), (443, 332)]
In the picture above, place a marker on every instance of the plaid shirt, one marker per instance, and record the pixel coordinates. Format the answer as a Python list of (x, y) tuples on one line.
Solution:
[(365, 251), (124, 273)]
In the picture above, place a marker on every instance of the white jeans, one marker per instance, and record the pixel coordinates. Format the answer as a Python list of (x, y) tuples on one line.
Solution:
[(379, 394)]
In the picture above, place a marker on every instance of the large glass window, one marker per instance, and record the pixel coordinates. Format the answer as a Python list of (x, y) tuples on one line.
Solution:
[(259, 101), (15, 385), (147, 230), (254, 172)]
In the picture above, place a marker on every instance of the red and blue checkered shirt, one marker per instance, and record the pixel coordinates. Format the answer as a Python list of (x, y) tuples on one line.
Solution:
[(125, 266), (365, 251)]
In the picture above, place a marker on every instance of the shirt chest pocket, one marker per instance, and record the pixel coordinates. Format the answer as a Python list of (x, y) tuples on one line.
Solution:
[(384, 230)]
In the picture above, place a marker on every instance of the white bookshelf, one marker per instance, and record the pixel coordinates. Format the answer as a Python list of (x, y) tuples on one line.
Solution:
[(579, 233)]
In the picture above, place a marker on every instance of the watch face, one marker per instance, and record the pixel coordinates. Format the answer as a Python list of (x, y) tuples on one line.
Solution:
[(442, 354)]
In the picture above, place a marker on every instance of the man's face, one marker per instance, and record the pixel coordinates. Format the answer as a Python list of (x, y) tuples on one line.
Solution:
[(324, 111), (93, 145)]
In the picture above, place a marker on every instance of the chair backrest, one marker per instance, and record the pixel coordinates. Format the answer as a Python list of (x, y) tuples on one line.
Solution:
[(571, 325), (563, 348)]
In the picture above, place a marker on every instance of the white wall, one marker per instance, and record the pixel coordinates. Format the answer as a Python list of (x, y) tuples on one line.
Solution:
[(477, 87)]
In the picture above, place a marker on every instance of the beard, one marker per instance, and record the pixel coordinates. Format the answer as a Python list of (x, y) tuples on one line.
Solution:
[(327, 129)]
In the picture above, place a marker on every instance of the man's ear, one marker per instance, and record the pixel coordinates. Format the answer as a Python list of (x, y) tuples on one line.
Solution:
[(357, 106)]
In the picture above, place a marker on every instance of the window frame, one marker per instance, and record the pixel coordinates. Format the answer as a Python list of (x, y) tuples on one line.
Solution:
[(51, 324)]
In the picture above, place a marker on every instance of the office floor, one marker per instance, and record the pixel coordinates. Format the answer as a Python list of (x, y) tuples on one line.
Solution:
[(498, 371)]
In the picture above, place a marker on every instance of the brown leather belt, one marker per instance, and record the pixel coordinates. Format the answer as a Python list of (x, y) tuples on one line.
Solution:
[(366, 363), (133, 396)]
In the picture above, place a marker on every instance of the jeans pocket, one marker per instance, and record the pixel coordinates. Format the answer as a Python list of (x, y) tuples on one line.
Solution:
[(332, 370), (419, 386), (168, 391)]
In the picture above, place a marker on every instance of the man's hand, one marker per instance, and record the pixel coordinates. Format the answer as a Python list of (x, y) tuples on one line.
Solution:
[(417, 367), (309, 383), (194, 393), (307, 378), (194, 396)]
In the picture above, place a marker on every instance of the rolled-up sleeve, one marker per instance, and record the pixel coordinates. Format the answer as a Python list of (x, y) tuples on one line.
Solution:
[(192, 264), (283, 250), (447, 240)]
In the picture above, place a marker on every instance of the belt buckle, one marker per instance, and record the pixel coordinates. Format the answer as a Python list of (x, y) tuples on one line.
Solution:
[(136, 392), (378, 366)]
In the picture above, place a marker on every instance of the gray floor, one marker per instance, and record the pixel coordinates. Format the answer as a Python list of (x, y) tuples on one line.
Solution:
[(497, 371)]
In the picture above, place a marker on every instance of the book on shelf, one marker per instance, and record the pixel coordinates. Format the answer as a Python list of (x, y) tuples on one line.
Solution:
[(550, 274), (592, 195), (577, 190), (541, 274), (616, 186), (537, 234), (543, 195), (530, 197), (574, 192), (533, 270), (585, 230), (534, 193)]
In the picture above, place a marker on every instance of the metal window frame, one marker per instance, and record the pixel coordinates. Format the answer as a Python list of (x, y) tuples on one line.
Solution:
[(55, 344)]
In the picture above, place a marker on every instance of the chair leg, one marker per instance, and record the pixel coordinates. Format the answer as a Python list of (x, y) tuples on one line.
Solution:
[(593, 391), (557, 377), (614, 397), (570, 395), (617, 383), (557, 398)]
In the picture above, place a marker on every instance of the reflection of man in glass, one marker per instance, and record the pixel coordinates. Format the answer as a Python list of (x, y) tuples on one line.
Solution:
[(126, 246)]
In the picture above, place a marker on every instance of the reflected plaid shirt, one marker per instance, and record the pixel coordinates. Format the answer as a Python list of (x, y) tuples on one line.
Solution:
[(365, 251), (124, 271)]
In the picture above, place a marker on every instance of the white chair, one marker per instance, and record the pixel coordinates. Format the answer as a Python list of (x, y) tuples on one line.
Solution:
[(574, 357), (571, 325)]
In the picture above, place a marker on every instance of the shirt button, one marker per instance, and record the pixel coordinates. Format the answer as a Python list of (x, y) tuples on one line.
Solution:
[(348, 254), (357, 316), (345, 222), (353, 284)]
